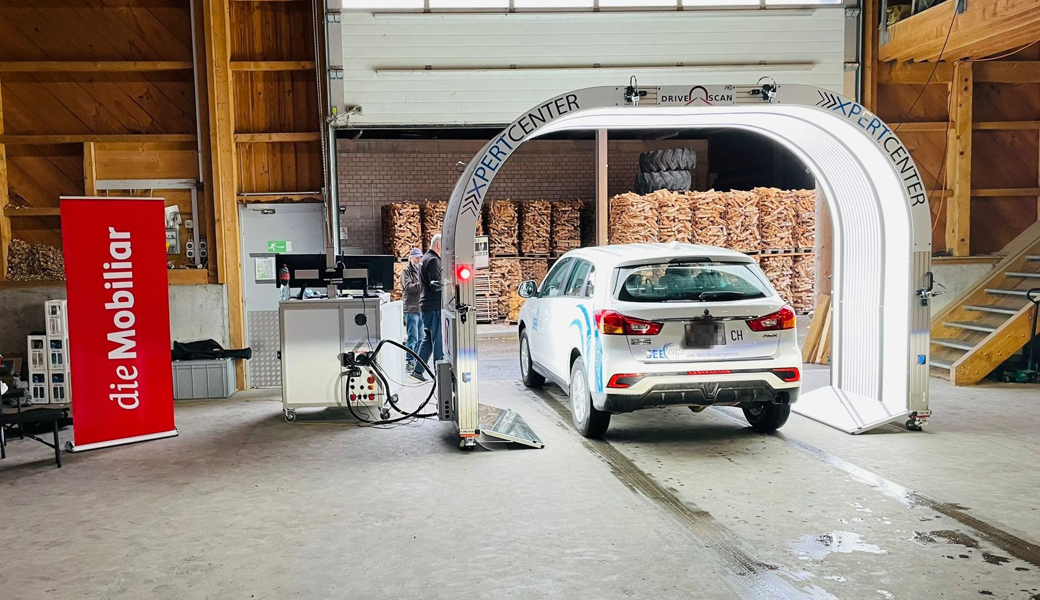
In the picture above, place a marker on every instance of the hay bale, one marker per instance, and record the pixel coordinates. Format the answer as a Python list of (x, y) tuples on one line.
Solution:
[(402, 228), (741, 218), (502, 225), (535, 227), (633, 219), (34, 262), (708, 211), (566, 226), (779, 269), (676, 216), (775, 218)]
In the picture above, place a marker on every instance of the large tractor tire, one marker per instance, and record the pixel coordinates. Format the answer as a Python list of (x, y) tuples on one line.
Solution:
[(675, 181), (673, 159)]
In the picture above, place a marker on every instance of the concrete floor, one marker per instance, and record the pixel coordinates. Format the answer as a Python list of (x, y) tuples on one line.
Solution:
[(671, 505)]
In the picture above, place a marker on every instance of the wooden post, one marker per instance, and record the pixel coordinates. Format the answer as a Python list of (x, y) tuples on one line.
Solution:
[(89, 169), (869, 68), (602, 207), (958, 162), (5, 223), (824, 244), (217, 24)]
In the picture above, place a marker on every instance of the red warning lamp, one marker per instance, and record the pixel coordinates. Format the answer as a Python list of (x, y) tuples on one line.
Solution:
[(464, 272)]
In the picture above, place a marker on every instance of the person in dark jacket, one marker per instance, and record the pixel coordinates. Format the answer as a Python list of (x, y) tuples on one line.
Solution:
[(411, 289), (430, 307)]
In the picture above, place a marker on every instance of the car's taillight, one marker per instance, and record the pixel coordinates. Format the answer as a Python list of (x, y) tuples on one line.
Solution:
[(781, 319), (615, 323), (624, 380), (788, 375)]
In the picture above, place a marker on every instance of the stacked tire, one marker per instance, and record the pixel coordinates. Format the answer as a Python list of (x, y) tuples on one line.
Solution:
[(666, 170)]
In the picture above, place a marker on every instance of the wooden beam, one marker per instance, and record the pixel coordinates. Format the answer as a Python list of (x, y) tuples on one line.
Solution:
[(289, 197), (103, 66), (256, 138), (958, 163), (5, 223), (987, 27), (89, 169), (910, 127), (602, 179), (869, 68), (272, 65), (188, 277), (1007, 125), (1005, 192), (217, 26), (1019, 71), (33, 212), (80, 138)]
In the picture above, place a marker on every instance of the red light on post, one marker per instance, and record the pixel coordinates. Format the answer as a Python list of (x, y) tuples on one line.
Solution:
[(464, 272)]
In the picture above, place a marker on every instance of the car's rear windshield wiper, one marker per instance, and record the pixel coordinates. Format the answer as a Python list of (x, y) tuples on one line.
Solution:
[(724, 295)]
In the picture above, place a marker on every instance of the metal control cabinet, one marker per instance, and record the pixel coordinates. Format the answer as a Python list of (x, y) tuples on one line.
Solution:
[(314, 335)]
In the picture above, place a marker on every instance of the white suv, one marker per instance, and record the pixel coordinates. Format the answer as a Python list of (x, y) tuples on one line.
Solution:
[(645, 325)]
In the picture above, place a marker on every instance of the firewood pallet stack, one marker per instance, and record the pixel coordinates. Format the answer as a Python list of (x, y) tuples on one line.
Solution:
[(676, 216), (502, 225), (779, 269), (535, 227), (804, 218), (432, 220), (505, 277), (776, 220), (395, 295), (402, 228), (534, 269), (803, 283), (486, 305), (566, 226), (741, 221), (633, 219), (708, 212)]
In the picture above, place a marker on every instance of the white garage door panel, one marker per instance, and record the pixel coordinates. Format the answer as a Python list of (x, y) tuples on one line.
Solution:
[(471, 80)]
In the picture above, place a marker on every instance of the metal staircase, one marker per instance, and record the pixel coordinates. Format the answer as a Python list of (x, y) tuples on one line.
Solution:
[(990, 322)]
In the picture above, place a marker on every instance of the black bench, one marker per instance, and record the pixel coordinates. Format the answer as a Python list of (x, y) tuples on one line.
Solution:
[(33, 416)]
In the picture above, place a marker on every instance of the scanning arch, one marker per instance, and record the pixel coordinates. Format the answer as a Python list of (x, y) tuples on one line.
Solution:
[(881, 220)]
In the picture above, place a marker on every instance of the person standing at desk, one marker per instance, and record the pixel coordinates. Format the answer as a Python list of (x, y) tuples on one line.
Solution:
[(411, 290), (430, 307)]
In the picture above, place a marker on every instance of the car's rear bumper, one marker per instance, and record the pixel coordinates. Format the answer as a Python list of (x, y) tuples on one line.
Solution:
[(730, 389)]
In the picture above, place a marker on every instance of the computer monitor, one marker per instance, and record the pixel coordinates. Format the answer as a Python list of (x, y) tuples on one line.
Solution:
[(380, 269), (364, 272)]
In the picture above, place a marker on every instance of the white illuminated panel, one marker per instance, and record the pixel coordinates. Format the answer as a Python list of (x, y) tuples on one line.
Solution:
[(434, 4), (553, 3), (381, 4)]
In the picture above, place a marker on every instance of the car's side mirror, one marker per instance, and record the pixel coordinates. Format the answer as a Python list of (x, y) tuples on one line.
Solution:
[(527, 289)]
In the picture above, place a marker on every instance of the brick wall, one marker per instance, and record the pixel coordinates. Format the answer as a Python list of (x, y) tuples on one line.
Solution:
[(373, 173)]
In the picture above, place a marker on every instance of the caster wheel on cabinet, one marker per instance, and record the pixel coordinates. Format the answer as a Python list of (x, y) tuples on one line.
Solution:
[(290, 416), (913, 425), (467, 444)]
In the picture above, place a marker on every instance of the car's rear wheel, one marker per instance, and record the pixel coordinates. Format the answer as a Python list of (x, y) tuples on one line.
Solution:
[(590, 422), (527, 373), (767, 418)]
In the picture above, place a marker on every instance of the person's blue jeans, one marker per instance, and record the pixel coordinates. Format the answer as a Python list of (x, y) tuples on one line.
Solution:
[(414, 328), (431, 343)]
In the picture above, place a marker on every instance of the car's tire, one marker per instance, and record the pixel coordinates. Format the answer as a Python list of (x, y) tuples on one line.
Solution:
[(675, 181), (767, 418), (590, 422), (527, 373), (672, 159)]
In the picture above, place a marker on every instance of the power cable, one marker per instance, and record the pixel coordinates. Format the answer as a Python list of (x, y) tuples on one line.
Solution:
[(931, 75)]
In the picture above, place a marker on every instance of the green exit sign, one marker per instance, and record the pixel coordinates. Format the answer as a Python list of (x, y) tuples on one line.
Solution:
[(279, 246)]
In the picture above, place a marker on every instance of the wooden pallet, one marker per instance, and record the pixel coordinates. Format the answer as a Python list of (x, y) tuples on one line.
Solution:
[(774, 251)]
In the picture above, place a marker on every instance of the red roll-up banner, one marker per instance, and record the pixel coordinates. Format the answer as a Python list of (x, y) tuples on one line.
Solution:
[(119, 320)]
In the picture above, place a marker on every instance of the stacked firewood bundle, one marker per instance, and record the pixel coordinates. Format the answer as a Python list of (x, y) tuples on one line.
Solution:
[(432, 220), (804, 218), (534, 269), (709, 218), (566, 226), (502, 222), (633, 219), (396, 294), (402, 228), (741, 221), (535, 227), (779, 269), (505, 279), (803, 283), (34, 262), (676, 216), (775, 218)]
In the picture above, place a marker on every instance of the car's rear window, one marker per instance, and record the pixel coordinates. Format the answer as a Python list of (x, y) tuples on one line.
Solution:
[(690, 282)]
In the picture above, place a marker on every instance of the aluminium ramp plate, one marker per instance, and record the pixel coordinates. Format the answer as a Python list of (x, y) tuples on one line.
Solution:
[(506, 424), (847, 412)]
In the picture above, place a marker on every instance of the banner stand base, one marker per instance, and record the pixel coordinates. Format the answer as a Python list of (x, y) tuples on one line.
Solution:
[(70, 447)]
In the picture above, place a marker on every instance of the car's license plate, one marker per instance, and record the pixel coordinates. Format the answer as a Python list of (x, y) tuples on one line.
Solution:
[(705, 334)]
